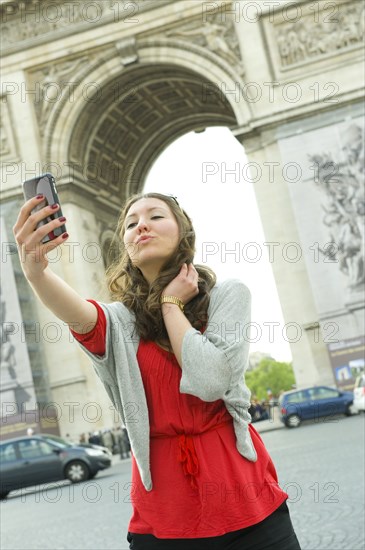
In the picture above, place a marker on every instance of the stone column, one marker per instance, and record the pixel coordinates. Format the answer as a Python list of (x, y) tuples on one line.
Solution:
[(20, 146), (310, 356)]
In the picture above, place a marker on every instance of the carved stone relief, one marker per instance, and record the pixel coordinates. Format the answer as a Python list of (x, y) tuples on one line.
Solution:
[(110, 246), (127, 49), (313, 36), (35, 20), (17, 386), (220, 38), (8, 149), (342, 184), (53, 83)]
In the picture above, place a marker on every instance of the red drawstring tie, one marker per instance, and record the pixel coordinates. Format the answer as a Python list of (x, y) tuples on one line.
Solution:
[(187, 457)]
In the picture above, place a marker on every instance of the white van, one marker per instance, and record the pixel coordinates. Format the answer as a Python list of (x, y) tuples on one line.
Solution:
[(359, 393)]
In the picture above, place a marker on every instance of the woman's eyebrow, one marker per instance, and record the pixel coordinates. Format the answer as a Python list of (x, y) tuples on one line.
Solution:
[(148, 210)]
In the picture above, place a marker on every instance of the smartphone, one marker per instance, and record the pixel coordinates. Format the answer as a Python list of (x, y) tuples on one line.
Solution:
[(46, 185)]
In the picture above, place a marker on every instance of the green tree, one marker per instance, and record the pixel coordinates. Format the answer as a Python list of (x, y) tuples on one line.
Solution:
[(270, 375)]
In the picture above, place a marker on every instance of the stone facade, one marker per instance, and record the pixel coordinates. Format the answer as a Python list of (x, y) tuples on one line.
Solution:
[(94, 91)]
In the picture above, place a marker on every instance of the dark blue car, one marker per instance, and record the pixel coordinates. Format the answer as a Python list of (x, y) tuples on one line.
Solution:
[(312, 403)]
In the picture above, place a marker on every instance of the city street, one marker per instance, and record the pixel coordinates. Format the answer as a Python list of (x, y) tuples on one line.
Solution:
[(320, 465)]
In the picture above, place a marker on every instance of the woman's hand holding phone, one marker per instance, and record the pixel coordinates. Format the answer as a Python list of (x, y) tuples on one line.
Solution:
[(29, 235), (40, 228)]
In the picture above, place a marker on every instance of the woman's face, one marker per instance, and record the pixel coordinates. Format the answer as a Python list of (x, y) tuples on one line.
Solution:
[(151, 235)]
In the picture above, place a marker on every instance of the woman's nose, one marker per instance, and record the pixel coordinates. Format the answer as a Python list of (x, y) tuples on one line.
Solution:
[(142, 225)]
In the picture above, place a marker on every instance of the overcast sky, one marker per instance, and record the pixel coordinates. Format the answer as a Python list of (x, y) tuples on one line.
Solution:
[(195, 168)]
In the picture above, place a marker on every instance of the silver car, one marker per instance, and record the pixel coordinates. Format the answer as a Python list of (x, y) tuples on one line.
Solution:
[(28, 461)]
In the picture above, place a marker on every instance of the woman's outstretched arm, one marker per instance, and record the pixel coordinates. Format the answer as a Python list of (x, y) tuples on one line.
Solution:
[(55, 294)]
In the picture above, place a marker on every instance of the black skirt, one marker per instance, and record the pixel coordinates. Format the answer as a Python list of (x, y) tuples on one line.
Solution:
[(273, 533)]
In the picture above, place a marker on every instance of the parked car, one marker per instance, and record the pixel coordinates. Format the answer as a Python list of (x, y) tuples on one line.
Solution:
[(313, 403), (27, 461), (359, 393), (105, 450)]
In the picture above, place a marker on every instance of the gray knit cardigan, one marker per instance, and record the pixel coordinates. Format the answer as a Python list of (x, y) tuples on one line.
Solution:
[(213, 365)]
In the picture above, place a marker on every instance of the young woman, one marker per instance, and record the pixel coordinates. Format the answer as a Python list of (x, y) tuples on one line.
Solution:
[(171, 351)]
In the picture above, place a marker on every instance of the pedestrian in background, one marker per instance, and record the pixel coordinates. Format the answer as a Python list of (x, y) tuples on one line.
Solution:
[(107, 440), (123, 442), (168, 354), (94, 438)]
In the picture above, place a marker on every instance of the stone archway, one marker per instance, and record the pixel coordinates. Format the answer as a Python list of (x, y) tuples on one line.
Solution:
[(121, 117), (137, 96), (115, 140)]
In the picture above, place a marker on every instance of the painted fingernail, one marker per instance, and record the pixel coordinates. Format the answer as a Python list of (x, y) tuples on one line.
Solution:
[(40, 196), (64, 235), (62, 219), (54, 206)]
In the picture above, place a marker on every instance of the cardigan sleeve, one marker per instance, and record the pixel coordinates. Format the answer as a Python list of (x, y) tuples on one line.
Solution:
[(118, 327), (214, 361)]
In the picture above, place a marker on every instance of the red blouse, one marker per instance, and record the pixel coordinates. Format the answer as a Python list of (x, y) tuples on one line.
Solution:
[(202, 485)]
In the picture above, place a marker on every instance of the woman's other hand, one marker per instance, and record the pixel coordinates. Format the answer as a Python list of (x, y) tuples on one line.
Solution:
[(185, 285)]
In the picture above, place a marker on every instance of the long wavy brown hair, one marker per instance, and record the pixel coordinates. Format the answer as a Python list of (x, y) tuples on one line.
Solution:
[(127, 284)]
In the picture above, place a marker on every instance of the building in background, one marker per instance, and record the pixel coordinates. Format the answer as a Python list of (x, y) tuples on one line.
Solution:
[(94, 91)]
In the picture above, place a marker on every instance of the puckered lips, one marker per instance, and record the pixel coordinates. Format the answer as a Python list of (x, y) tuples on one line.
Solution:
[(144, 238)]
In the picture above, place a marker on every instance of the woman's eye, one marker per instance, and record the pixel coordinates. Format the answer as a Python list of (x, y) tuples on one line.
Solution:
[(133, 224)]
